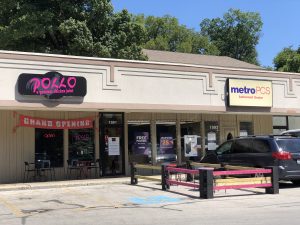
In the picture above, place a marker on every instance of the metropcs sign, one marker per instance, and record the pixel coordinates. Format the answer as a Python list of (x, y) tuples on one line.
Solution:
[(256, 93)]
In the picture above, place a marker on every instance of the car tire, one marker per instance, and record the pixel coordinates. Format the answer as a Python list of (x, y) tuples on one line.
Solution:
[(296, 182)]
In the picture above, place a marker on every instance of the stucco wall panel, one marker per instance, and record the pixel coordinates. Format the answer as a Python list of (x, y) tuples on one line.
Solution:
[(164, 91), (109, 84), (279, 98), (96, 78)]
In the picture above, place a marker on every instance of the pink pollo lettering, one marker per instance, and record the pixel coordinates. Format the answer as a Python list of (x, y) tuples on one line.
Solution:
[(53, 84)]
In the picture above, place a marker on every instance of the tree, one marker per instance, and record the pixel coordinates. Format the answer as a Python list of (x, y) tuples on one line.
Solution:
[(288, 60), (236, 34), (165, 33), (77, 27)]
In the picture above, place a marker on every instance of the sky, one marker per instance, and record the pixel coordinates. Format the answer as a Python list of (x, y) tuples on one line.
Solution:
[(280, 18)]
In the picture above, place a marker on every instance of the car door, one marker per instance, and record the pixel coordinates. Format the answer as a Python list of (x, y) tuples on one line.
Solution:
[(241, 152), (223, 152), (262, 153)]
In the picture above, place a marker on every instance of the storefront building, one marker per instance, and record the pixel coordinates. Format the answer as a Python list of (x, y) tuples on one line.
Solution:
[(171, 108)]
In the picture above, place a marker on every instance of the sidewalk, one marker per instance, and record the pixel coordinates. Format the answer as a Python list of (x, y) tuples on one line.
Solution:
[(65, 183)]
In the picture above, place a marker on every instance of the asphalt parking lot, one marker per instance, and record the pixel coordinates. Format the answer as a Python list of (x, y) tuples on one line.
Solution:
[(121, 203)]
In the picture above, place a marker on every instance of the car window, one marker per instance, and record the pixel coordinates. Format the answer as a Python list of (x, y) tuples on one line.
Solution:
[(289, 144), (224, 148), (242, 146), (261, 146)]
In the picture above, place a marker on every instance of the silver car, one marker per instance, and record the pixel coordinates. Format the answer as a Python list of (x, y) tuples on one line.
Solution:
[(295, 132)]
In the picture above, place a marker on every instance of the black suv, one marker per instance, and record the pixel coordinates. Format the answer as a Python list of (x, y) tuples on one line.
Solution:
[(261, 151)]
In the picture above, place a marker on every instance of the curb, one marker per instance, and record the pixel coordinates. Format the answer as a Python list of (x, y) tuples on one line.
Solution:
[(61, 184)]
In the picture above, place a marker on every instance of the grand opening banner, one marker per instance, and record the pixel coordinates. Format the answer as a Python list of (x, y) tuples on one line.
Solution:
[(242, 92), (28, 121)]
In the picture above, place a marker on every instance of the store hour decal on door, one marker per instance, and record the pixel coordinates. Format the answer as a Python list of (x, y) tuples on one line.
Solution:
[(113, 146)]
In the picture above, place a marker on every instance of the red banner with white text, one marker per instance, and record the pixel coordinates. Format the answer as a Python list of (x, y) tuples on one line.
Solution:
[(28, 121)]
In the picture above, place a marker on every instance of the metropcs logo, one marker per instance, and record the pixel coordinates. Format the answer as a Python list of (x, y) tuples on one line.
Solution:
[(263, 90), (256, 93)]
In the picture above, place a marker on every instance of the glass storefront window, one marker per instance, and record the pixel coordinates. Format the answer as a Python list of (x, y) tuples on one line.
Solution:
[(279, 121), (139, 141), (278, 131), (49, 146), (294, 122), (280, 124), (190, 141), (81, 145), (246, 128), (166, 142)]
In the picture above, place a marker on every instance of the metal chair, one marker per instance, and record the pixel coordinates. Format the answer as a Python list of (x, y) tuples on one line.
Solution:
[(46, 168), (29, 168), (95, 166), (72, 166)]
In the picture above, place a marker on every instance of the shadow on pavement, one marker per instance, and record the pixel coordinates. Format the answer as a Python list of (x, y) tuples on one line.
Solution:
[(285, 185), (195, 193)]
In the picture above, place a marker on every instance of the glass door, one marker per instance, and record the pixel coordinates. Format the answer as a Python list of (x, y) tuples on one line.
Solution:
[(112, 143), (49, 145)]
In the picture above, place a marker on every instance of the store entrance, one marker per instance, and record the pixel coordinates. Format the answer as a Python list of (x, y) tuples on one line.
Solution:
[(112, 143)]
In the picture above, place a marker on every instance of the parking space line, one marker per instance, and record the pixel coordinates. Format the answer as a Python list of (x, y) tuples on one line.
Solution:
[(112, 204), (85, 208), (12, 207), (75, 192)]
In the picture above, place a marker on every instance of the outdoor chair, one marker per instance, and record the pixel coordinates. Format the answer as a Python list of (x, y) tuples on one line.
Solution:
[(72, 166), (29, 169), (96, 167), (46, 168)]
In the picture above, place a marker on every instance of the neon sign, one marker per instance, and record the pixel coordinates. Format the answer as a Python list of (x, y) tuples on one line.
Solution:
[(49, 135)]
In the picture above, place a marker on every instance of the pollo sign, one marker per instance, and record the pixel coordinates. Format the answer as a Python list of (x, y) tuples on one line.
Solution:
[(256, 93), (51, 85)]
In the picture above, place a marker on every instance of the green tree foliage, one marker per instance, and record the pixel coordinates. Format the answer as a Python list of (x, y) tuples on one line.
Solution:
[(288, 60), (236, 34), (165, 33), (77, 27), (270, 68)]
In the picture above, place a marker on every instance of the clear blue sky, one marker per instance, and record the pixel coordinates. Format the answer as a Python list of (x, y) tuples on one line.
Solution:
[(280, 17)]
